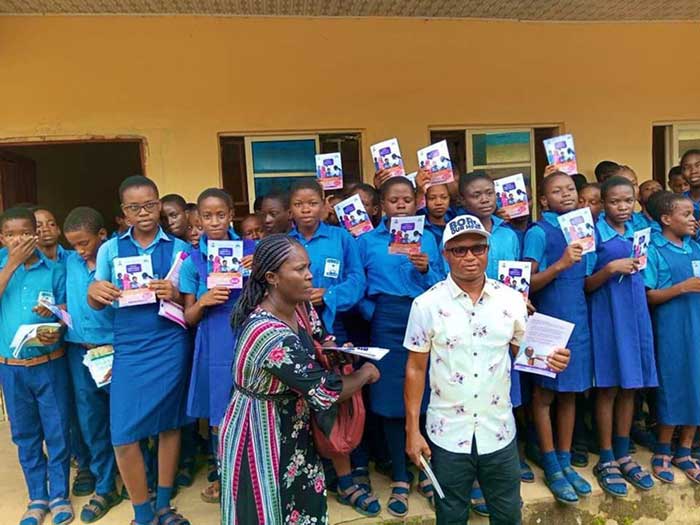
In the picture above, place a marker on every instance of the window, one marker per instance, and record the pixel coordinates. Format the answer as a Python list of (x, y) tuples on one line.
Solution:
[(669, 142)]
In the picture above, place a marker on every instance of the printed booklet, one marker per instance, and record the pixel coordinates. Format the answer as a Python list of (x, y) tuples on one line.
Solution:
[(99, 361), (543, 335), (511, 195), (27, 335), (374, 353), (224, 264), (561, 153), (577, 226), (353, 216), (640, 246), (329, 171), (696, 268), (133, 275), (515, 275), (436, 159), (46, 300), (406, 234), (387, 156)]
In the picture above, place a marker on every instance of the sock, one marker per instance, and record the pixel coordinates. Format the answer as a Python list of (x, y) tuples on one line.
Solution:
[(682, 452), (163, 497), (345, 482), (143, 513), (606, 455), (621, 446), (564, 458), (662, 448), (550, 463)]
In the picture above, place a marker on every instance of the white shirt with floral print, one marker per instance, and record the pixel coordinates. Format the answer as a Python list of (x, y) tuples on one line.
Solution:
[(470, 361)]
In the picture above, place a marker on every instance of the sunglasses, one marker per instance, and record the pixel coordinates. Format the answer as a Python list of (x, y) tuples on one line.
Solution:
[(461, 251)]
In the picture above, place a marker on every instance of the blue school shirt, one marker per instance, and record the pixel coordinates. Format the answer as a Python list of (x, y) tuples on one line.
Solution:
[(536, 242), (657, 274), (110, 251), (190, 283), (606, 233), (641, 221), (335, 266), (696, 205), (21, 295), (89, 326)]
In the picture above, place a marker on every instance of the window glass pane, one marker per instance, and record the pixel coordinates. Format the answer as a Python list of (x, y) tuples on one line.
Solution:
[(284, 156), (688, 139), (500, 148), (263, 186)]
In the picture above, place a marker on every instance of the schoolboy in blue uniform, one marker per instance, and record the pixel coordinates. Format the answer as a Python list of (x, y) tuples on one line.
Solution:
[(84, 229), (148, 393), (36, 383)]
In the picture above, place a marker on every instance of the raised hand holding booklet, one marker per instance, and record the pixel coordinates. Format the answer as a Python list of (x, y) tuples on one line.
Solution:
[(329, 171), (577, 226), (47, 301), (436, 159), (640, 246), (353, 216), (406, 234), (515, 275), (543, 335), (511, 195), (387, 156), (133, 275), (561, 153), (224, 264), (421, 203)]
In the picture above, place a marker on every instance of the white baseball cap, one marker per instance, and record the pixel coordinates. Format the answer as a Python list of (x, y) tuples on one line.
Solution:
[(463, 224)]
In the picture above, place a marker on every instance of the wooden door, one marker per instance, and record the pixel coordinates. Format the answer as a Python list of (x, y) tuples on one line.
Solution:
[(17, 180)]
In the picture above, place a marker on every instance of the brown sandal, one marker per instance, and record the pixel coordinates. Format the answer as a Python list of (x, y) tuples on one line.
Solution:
[(399, 497), (663, 471), (211, 493), (692, 473)]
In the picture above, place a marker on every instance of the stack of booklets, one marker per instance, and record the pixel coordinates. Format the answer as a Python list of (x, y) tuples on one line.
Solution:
[(27, 336), (99, 362), (169, 309)]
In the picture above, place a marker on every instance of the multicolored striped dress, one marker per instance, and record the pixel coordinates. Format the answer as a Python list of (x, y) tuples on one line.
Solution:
[(270, 471)]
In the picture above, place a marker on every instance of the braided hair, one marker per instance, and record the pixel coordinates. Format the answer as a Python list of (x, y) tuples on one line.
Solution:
[(270, 254)]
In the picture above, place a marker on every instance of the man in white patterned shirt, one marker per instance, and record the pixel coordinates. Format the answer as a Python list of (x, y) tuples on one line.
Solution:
[(467, 326)]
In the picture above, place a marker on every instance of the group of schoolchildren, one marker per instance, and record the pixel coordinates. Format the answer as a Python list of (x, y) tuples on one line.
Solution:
[(635, 356)]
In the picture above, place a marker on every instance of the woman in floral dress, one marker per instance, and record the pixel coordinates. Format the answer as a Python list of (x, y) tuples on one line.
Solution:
[(270, 471)]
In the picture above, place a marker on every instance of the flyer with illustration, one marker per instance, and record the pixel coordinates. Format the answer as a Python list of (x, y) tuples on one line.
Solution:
[(436, 160), (577, 226), (406, 234), (353, 216), (329, 171), (387, 156), (515, 275), (543, 335), (133, 275), (561, 153), (511, 195), (640, 246), (224, 264)]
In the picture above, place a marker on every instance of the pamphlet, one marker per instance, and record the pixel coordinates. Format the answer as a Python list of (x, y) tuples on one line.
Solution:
[(370, 352), (436, 159), (387, 156), (353, 216), (99, 362), (696, 268), (577, 226), (133, 275), (47, 301), (640, 246), (224, 264), (27, 335), (169, 309), (174, 272), (515, 275), (431, 476), (561, 153), (329, 171), (511, 195), (543, 335), (406, 234)]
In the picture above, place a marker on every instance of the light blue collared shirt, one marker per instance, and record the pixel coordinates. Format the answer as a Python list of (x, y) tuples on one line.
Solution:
[(657, 274), (190, 282)]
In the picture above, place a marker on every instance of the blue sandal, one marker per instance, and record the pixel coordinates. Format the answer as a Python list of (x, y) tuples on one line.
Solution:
[(635, 474), (580, 485), (169, 516), (98, 506), (478, 503), (360, 476), (661, 468), (357, 497), (610, 479), (689, 466), (526, 474), (426, 489), (398, 501), (84, 483), (561, 489), (61, 511), (36, 512)]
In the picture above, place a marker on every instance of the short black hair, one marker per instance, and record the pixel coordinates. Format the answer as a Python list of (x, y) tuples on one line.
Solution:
[(664, 204), (614, 182), (688, 153), (215, 193), (136, 181), (467, 179), (174, 198), (277, 195), (84, 218), (580, 180), (675, 171), (367, 188), (18, 213), (653, 202), (191, 206), (394, 181), (306, 184), (605, 169)]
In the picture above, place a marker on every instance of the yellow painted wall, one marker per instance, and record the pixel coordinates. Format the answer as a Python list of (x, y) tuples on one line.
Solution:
[(178, 81)]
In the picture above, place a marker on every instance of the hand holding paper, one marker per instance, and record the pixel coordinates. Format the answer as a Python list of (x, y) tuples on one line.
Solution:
[(559, 359)]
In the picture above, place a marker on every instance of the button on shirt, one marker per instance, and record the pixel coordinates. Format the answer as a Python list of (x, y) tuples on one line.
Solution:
[(469, 347)]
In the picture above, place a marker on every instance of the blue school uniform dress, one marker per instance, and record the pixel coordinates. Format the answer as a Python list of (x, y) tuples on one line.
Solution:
[(91, 328), (151, 354), (392, 284), (37, 397), (215, 345), (676, 330), (563, 298), (336, 266), (621, 333)]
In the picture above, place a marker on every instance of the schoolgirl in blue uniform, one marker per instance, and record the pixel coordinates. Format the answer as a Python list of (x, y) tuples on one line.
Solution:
[(438, 211), (36, 382), (151, 355), (673, 289), (393, 281), (557, 289), (642, 219), (621, 338)]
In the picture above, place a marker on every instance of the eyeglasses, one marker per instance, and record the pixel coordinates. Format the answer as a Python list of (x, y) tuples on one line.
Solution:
[(135, 209), (461, 251)]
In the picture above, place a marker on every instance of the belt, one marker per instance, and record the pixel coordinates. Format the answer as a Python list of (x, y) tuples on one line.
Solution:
[(266, 397), (34, 361)]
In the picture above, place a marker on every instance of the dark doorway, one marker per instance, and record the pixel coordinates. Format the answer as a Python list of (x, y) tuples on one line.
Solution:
[(61, 176)]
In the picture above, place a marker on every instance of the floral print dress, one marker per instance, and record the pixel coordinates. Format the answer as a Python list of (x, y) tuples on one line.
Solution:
[(270, 471)]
